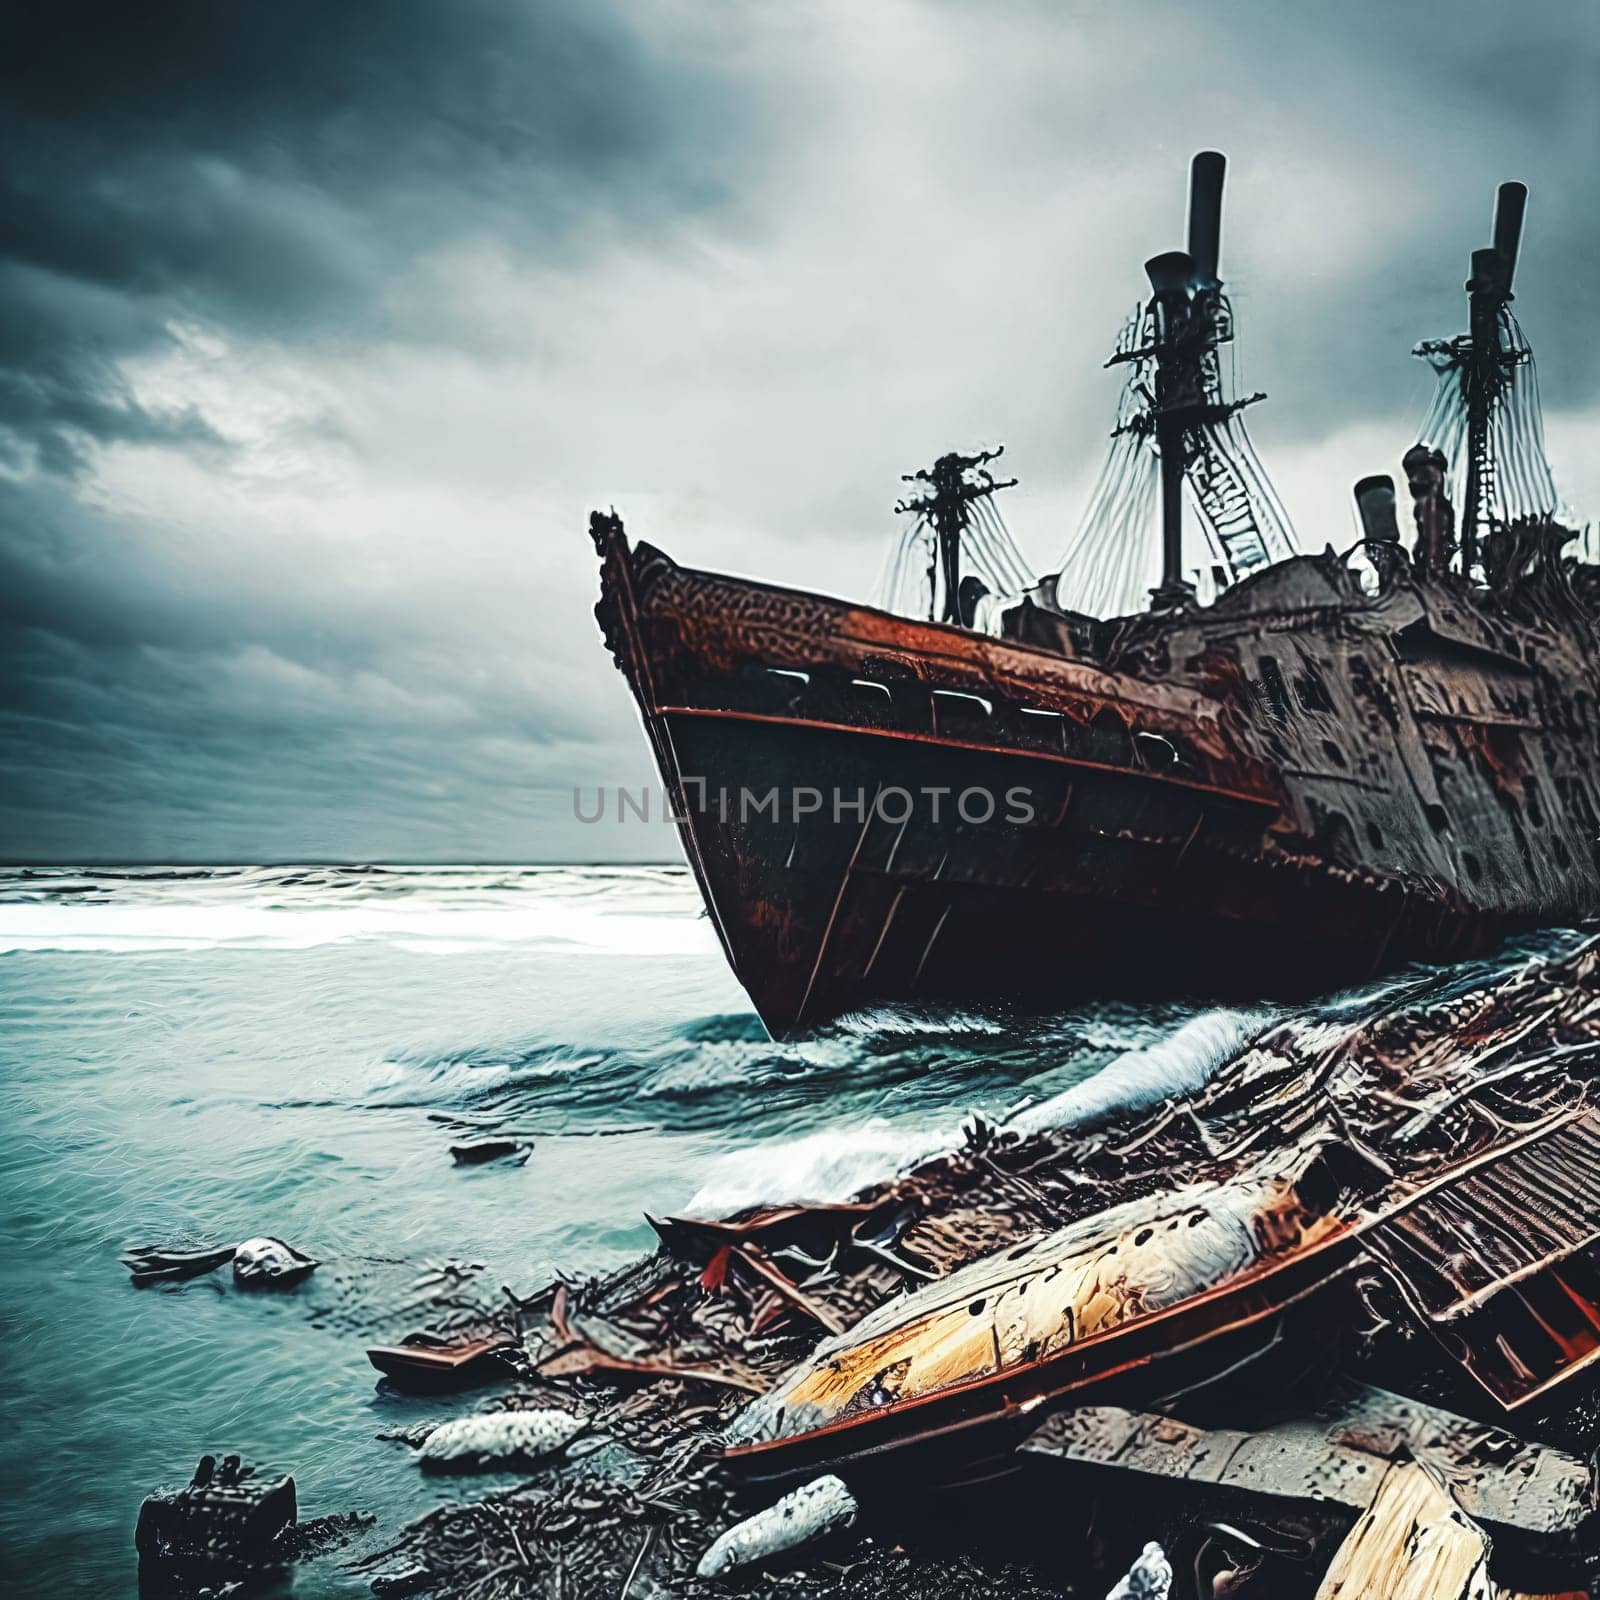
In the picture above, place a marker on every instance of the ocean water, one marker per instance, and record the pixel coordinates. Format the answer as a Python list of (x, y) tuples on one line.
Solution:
[(209, 1054), (212, 1054)]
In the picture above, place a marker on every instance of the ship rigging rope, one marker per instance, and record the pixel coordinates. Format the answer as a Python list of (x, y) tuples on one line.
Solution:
[(904, 584), (1002, 558), (1111, 563), (1520, 484), (909, 584), (1237, 521)]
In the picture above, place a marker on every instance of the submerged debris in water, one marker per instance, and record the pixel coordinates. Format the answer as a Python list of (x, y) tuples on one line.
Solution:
[(257, 1263), (260, 1262), (424, 1362), (154, 1263), (474, 1152), (226, 1524), (224, 1514)]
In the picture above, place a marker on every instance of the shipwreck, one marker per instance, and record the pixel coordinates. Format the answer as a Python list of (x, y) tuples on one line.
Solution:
[(1323, 1323), (1266, 773)]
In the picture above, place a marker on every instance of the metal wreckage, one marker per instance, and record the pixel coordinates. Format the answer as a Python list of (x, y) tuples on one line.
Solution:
[(1323, 1327)]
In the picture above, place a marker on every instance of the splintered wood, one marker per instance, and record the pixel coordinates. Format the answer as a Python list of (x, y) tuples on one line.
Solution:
[(1412, 1543), (1470, 1186)]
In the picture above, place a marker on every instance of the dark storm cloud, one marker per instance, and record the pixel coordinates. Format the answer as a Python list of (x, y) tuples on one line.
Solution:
[(1431, 106), (271, 166), (156, 696), (277, 173), (322, 325)]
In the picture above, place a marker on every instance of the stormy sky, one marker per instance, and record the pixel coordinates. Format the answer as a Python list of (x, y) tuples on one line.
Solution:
[(323, 325)]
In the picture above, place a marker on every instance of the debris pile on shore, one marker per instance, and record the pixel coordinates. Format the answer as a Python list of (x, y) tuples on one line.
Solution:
[(793, 1339), (1351, 1210)]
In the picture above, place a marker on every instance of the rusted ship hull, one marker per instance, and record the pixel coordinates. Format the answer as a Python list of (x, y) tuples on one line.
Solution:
[(880, 810), (1125, 889)]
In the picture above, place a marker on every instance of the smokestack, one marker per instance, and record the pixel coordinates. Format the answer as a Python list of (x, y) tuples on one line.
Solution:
[(1375, 501), (1171, 271), (1509, 205), (1489, 274), (1205, 214)]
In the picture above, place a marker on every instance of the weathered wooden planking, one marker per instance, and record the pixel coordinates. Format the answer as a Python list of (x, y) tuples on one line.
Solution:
[(1340, 1456)]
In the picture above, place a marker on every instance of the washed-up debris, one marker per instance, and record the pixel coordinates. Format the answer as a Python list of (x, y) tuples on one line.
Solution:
[(591, 1349), (644, 1541), (228, 1524), (802, 1517), (1340, 1453), (474, 1152), (1197, 1294), (224, 1514), (468, 1340), (426, 1362), (316, 1536), (1464, 1180), (1328, 1154), (270, 1263), (1149, 1578), (1413, 1542), (257, 1263), (597, 1536), (499, 1437)]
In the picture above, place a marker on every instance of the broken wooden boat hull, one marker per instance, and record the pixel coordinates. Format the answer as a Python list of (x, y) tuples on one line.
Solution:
[(1492, 1254), (972, 1433), (1202, 1270), (1119, 835)]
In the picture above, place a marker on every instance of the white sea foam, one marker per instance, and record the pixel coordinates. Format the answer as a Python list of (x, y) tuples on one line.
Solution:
[(879, 1022), (1179, 1064), (421, 909), (821, 1166), (747, 1064), (835, 1164)]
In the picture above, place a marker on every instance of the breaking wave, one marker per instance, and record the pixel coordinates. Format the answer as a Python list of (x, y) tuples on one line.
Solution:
[(1150, 1067), (839, 1162), (831, 1165), (1179, 1064)]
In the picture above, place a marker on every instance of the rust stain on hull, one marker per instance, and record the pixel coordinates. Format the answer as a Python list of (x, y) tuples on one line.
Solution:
[(1290, 790)]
